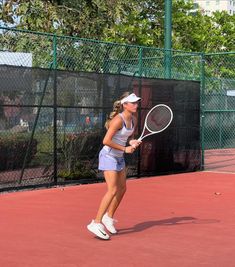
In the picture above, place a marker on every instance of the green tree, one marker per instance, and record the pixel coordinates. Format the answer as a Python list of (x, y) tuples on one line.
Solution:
[(223, 35), (191, 29), (84, 18), (138, 22), (142, 24)]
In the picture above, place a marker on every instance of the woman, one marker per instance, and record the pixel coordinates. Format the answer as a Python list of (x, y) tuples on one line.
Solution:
[(120, 126)]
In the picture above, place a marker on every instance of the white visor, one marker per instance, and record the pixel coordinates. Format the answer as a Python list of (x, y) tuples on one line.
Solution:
[(130, 98)]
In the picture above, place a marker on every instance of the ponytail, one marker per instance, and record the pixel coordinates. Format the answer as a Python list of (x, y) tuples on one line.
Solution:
[(117, 108)]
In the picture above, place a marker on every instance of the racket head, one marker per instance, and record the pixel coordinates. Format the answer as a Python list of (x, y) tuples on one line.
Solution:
[(158, 118)]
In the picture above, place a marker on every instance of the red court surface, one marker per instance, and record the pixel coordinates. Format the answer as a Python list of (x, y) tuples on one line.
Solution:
[(220, 160), (184, 220)]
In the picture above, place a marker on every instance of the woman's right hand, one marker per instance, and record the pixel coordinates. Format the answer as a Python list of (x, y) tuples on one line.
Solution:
[(129, 149), (135, 143)]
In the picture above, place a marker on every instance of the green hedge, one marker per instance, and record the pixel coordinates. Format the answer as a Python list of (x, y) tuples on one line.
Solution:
[(13, 150), (77, 152)]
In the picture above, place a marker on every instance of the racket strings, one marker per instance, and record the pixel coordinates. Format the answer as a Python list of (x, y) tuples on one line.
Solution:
[(158, 118)]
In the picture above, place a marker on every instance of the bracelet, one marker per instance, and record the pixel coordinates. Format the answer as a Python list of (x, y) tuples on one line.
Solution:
[(124, 150)]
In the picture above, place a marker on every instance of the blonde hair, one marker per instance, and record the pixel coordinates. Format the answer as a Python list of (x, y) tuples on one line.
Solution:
[(117, 108)]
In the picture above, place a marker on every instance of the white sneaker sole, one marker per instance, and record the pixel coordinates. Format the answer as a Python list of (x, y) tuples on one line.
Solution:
[(98, 232), (112, 231)]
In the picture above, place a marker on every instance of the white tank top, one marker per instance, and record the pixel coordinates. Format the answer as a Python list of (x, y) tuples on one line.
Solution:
[(120, 138)]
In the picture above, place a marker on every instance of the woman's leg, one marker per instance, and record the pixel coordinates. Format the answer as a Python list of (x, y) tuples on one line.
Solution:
[(111, 178), (121, 189)]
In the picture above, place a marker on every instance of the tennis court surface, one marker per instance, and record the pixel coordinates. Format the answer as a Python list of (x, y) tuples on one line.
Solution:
[(220, 160), (184, 220)]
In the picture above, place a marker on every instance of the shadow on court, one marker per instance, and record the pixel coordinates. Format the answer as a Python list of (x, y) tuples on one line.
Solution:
[(166, 222)]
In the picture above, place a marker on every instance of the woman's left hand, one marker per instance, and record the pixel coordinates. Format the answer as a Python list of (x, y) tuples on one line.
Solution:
[(135, 143)]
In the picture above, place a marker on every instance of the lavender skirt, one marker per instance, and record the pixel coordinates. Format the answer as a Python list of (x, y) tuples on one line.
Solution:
[(109, 162)]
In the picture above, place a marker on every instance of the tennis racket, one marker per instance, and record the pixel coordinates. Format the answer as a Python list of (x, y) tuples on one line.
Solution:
[(157, 120)]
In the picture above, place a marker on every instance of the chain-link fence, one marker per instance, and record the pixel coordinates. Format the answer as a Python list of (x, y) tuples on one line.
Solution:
[(48, 51), (218, 111), (52, 126), (219, 101), (27, 48)]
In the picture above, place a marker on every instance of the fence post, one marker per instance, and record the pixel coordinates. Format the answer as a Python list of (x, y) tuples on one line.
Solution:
[(202, 108), (140, 61), (55, 106), (140, 72), (167, 39), (54, 52)]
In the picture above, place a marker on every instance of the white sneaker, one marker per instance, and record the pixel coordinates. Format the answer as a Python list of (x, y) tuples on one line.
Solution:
[(97, 229), (109, 223)]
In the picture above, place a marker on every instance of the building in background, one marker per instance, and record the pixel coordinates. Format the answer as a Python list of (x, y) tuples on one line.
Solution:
[(210, 6)]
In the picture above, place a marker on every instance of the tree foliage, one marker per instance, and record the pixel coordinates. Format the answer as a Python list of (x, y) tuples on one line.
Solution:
[(135, 22), (84, 18)]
